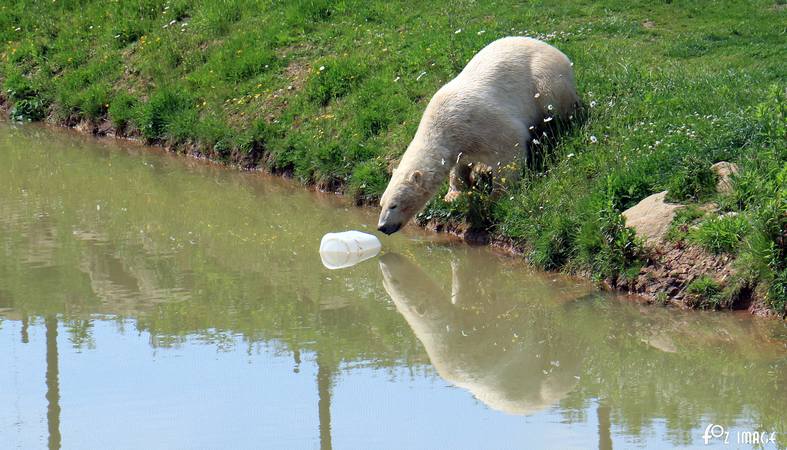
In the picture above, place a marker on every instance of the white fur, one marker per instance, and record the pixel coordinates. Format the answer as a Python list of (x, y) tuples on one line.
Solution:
[(481, 116)]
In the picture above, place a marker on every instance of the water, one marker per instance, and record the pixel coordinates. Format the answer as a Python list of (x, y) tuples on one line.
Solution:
[(150, 301)]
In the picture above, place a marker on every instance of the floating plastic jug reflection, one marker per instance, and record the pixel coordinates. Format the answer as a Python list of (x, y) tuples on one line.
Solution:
[(348, 248)]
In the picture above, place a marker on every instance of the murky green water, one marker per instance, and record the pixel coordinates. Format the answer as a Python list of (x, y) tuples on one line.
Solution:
[(148, 301)]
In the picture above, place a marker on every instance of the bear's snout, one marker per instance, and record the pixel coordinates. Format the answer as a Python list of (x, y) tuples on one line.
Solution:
[(389, 228), (390, 221)]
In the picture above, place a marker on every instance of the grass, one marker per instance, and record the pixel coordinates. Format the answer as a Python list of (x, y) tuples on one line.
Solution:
[(693, 181), (721, 234), (332, 91), (684, 219), (705, 292)]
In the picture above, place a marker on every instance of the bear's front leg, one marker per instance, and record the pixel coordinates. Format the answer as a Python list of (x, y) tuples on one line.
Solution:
[(458, 180)]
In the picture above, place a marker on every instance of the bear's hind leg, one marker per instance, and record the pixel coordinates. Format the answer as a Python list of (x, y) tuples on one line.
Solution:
[(458, 180)]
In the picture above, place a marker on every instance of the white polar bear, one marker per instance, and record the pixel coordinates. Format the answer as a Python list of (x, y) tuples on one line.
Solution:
[(483, 116)]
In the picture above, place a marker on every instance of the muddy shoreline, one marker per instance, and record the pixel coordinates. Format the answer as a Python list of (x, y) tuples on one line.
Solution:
[(661, 281)]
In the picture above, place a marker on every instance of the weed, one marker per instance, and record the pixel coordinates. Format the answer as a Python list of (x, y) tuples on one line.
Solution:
[(704, 292), (163, 108), (683, 220), (121, 111), (721, 234), (28, 109), (94, 101), (608, 246), (694, 181), (554, 248), (367, 179), (662, 298)]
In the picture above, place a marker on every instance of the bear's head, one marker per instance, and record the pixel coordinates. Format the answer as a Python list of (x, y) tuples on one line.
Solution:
[(406, 194)]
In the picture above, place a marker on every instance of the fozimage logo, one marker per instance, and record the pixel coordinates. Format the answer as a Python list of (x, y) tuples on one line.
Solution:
[(715, 433)]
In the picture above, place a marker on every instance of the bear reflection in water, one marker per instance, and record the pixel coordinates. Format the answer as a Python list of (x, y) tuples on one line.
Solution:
[(500, 348)]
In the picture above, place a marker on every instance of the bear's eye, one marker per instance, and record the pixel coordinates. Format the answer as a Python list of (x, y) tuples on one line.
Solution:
[(392, 206)]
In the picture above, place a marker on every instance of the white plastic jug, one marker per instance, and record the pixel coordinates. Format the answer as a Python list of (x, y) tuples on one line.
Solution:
[(348, 248)]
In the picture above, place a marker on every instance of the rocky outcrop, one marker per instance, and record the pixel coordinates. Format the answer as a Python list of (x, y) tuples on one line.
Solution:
[(672, 268), (651, 217)]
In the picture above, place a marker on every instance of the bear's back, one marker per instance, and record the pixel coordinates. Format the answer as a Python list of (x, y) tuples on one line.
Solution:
[(520, 72)]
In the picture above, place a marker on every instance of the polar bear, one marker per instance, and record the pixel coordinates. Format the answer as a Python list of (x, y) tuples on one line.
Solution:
[(484, 117), (505, 377)]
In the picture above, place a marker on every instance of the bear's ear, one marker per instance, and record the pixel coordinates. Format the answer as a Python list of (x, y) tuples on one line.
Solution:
[(416, 176)]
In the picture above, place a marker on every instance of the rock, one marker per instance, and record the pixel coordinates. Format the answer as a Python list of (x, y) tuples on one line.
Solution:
[(725, 170), (651, 217)]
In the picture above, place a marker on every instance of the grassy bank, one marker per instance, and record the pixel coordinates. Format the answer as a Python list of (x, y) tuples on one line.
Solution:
[(332, 92)]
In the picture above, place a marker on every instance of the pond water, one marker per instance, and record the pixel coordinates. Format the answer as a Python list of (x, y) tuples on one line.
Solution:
[(153, 301)]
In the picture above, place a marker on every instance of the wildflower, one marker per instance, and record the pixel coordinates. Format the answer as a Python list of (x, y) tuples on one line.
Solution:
[(322, 68), (536, 141), (550, 107), (593, 139), (548, 119), (458, 31), (593, 104)]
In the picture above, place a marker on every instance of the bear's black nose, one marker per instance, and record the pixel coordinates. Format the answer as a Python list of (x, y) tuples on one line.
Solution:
[(389, 228)]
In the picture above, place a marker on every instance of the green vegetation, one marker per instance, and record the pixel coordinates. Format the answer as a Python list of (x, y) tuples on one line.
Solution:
[(705, 291), (683, 220), (721, 234), (331, 92), (694, 181), (763, 260)]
